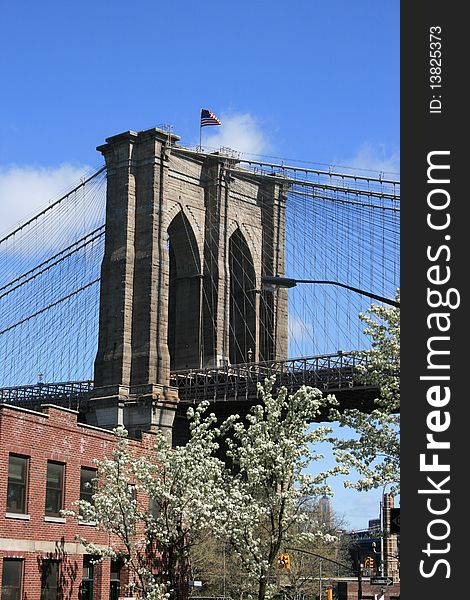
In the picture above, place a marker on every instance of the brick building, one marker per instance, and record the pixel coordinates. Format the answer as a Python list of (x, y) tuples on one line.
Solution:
[(347, 590), (46, 460)]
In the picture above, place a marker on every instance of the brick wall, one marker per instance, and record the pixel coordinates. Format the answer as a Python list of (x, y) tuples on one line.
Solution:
[(347, 590), (33, 537)]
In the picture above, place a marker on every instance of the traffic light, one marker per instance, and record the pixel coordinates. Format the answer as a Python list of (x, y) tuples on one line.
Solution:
[(329, 594), (284, 561), (369, 562)]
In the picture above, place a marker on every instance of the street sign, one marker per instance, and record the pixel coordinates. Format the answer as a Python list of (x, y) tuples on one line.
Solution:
[(381, 581)]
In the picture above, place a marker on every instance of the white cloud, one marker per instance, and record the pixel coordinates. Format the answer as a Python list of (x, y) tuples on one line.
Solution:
[(298, 327), (25, 190), (376, 158), (241, 132)]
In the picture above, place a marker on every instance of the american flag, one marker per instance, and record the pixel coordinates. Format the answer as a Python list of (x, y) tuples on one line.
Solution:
[(208, 118)]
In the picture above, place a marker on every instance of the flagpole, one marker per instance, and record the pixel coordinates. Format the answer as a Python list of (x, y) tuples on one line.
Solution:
[(200, 132), (209, 119)]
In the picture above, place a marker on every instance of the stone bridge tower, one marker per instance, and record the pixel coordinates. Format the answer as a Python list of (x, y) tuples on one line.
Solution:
[(188, 238)]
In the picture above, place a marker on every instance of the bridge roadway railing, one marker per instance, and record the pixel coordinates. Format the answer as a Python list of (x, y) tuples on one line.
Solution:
[(330, 373), (66, 393)]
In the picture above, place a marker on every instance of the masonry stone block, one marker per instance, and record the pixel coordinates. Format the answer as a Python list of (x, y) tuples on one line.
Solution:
[(188, 238)]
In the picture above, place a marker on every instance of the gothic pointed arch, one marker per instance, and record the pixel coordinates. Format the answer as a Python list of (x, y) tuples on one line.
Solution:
[(184, 295), (243, 312)]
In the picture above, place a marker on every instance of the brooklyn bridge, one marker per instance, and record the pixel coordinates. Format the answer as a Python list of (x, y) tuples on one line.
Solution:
[(172, 275)]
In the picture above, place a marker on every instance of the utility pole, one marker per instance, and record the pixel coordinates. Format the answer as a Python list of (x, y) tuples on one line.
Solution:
[(320, 582), (382, 569)]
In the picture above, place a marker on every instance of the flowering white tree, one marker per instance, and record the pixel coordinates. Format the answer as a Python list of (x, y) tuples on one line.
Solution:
[(153, 506), (216, 564), (375, 454), (267, 484)]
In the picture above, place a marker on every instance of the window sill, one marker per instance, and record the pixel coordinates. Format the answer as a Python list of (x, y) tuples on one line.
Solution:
[(21, 516), (88, 523), (55, 519)]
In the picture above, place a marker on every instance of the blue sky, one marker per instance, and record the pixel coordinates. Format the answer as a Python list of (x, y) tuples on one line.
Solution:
[(320, 78), (306, 80)]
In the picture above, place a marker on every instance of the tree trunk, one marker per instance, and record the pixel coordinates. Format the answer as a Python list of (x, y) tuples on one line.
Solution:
[(182, 577), (262, 587)]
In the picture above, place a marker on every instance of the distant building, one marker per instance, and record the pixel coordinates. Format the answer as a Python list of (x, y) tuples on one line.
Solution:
[(367, 547), (374, 526), (326, 510)]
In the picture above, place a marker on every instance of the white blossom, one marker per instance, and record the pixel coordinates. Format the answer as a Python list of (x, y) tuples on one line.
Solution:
[(375, 455), (156, 505), (267, 486), (153, 505)]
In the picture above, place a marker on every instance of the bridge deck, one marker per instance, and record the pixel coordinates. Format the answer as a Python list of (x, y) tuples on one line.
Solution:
[(333, 374), (62, 392), (330, 373)]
